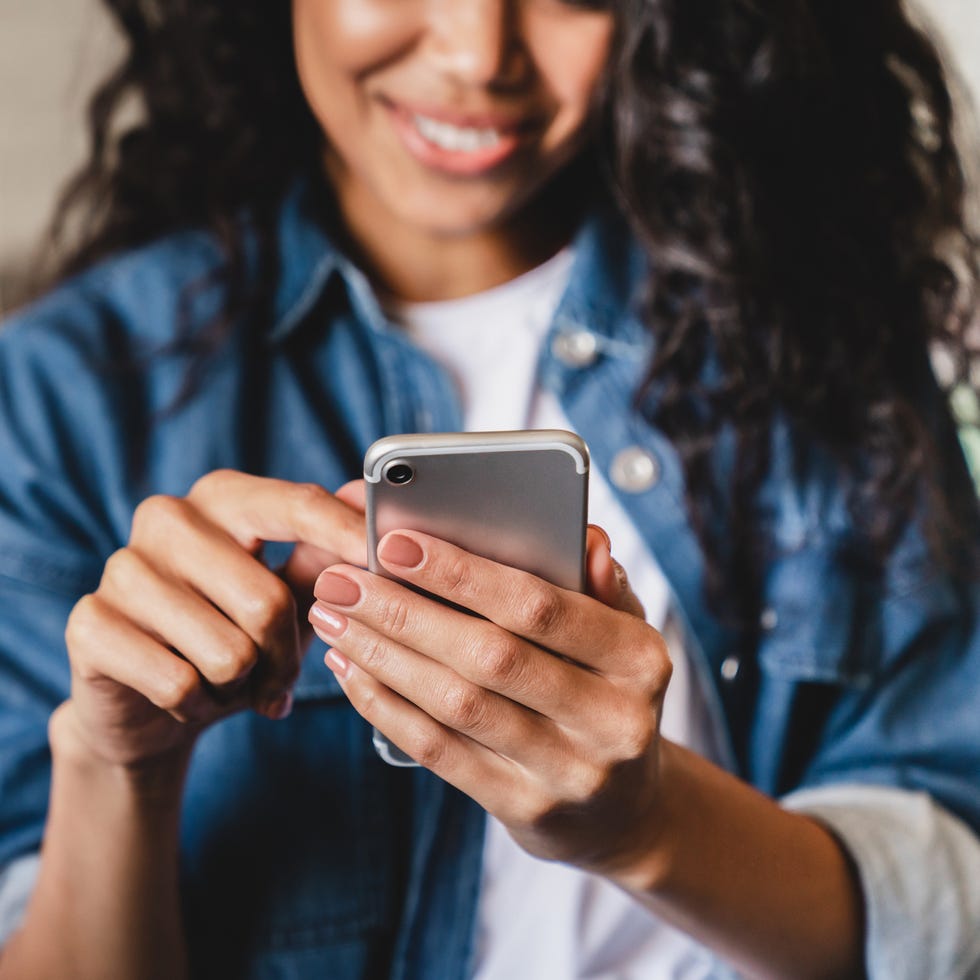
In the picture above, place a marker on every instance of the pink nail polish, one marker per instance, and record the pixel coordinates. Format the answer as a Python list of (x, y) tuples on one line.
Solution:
[(338, 590), (396, 549), (337, 662), (325, 620)]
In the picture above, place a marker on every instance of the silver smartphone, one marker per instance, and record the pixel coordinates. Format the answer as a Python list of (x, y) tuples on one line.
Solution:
[(519, 498)]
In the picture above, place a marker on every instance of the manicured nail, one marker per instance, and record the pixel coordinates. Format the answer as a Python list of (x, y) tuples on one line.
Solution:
[(280, 707), (326, 620), (396, 549), (337, 662), (337, 589)]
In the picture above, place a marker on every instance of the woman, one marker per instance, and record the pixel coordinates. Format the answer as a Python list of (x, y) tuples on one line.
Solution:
[(703, 235)]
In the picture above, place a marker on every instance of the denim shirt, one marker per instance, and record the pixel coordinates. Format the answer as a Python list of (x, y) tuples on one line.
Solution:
[(302, 853)]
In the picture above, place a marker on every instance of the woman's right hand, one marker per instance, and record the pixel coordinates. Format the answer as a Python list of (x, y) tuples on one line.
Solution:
[(188, 625)]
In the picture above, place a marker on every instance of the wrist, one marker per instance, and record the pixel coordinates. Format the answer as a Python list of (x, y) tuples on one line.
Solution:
[(156, 779), (648, 866)]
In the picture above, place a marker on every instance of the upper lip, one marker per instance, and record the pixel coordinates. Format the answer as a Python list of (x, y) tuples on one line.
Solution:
[(465, 119)]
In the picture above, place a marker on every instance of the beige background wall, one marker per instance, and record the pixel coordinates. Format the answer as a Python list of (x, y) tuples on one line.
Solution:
[(52, 51)]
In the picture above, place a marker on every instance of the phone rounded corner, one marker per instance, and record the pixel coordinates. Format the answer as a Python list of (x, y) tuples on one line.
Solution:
[(377, 455), (389, 752), (575, 446)]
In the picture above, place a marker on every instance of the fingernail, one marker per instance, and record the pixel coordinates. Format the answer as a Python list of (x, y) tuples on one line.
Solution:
[(605, 537), (337, 589), (337, 662), (281, 707), (396, 549), (325, 620)]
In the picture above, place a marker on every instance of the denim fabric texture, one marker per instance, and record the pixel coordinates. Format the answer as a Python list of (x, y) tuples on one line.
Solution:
[(304, 854)]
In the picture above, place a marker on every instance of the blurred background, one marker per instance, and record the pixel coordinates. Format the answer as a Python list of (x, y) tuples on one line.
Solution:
[(52, 52)]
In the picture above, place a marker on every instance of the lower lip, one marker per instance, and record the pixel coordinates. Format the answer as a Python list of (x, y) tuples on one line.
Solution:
[(462, 163)]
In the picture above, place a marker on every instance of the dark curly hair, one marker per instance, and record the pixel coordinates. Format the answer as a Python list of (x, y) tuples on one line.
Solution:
[(789, 166)]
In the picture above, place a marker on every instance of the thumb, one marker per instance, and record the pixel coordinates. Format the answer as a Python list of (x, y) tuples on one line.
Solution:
[(307, 561), (606, 579)]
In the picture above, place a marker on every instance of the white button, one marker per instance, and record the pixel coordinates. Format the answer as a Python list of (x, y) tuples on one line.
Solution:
[(634, 470), (729, 668), (769, 619), (575, 348)]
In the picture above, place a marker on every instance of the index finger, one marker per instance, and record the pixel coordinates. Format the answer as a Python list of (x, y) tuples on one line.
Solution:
[(579, 627), (255, 509)]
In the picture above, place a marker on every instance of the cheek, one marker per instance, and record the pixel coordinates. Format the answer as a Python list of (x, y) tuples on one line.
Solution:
[(570, 64), (340, 42)]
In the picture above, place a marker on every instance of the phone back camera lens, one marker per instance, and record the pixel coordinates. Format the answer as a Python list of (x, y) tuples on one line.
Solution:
[(398, 474)]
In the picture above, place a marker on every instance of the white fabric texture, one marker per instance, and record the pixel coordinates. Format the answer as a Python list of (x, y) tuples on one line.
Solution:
[(536, 918), (919, 925), (16, 886)]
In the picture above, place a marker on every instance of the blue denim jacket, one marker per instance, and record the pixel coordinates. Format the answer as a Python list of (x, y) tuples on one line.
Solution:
[(303, 854)]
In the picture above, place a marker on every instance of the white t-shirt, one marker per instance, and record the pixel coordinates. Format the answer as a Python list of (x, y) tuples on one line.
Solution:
[(538, 919)]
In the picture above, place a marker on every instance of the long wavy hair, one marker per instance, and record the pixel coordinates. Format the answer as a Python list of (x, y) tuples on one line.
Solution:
[(789, 166)]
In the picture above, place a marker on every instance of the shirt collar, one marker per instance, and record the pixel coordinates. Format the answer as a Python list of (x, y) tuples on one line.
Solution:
[(603, 290)]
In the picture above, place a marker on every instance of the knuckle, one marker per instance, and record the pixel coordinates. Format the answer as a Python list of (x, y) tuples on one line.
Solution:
[(178, 690), (636, 734), (373, 652), (121, 567), (83, 622), (498, 659), (454, 577), (308, 495), (586, 783), (428, 748), (235, 660), (271, 609), (540, 611), (463, 707), (160, 510), (394, 615), (366, 697), (652, 663), (211, 483)]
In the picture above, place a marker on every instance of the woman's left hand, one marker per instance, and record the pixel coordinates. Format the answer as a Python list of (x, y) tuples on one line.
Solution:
[(546, 711)]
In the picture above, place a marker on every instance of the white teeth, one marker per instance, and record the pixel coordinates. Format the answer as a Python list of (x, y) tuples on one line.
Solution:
[(460, 139)]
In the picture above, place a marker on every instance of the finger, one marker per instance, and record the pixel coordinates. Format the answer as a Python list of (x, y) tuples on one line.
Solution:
[(476, 770), (97, 633), (353, 494), (307, 560), (182, 620), (606, 579), (172, 534), (482, 715), (576, 626), (256, 509), (477, 650)]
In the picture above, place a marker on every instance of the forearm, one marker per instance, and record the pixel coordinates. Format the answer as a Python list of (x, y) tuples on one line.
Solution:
[(770, 891), (106, 903)]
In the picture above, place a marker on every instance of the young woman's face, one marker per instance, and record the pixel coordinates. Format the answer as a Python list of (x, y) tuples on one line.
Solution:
[(447, 116)]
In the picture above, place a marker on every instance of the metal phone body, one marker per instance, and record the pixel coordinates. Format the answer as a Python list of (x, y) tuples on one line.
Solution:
[(519, 498)]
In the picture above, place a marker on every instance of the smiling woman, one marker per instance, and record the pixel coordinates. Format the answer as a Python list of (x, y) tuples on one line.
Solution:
[(444, 123), (717, 240)]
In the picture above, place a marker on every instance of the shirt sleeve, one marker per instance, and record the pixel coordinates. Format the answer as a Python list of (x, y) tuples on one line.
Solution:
[(918, 864), (17, 882)]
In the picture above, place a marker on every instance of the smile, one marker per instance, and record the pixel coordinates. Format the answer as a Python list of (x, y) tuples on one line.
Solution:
[(458, 146), (458, 139)]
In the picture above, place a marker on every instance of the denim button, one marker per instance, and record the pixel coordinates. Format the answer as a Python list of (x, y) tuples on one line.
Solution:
[(768, 619), (634, 470), (729, 668), (575, 348)]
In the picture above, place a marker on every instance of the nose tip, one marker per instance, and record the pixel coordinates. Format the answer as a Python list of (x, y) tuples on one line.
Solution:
[(478, 41)]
